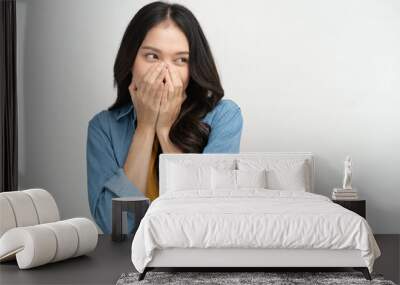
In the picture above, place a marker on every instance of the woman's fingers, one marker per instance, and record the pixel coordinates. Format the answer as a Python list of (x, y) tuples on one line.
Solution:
[(175, 77), (158, 81), (150, 71), (143, 84), (150, 76), (164, 97), (157, 96), (176, 82), (140, 80), (170, 85), (156, 91)]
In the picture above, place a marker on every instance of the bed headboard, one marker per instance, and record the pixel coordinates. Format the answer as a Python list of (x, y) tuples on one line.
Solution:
[(211, 158)]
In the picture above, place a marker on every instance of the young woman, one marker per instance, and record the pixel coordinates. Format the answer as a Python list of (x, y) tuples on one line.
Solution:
[(169, 101)]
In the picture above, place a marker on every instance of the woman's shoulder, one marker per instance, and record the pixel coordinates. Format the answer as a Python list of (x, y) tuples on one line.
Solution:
[(224, 108), (106, 117), (100, 119), (227, 105)]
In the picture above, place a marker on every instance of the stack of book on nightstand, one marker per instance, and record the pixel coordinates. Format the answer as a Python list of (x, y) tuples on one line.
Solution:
[(344, 194)]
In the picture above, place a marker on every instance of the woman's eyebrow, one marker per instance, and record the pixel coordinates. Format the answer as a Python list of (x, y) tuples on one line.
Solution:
[(159, 51)]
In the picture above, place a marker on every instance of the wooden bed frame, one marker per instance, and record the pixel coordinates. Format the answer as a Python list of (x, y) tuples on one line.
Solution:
[(244, 259)]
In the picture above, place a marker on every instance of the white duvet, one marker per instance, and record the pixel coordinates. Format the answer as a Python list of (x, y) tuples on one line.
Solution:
[(251, 218)]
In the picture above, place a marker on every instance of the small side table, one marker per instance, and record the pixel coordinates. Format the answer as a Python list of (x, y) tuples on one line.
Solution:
[(357, 206), (136, 205)]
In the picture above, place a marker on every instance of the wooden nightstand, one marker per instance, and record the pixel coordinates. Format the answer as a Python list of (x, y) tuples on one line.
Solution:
[(357, 206)]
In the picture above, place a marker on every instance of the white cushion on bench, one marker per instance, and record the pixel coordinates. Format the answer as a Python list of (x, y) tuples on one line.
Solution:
[(40, 244), (31, 230)]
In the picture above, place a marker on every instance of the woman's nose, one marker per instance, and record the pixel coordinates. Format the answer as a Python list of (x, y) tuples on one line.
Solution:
[(166, 63)]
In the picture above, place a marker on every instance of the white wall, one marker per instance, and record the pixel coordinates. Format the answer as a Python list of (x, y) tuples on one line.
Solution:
[(309, 76)]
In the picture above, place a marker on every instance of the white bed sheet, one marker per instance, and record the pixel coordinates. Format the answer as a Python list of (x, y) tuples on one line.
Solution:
[(250, 218)]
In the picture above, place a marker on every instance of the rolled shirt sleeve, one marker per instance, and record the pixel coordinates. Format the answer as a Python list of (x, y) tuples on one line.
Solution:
[(226, 130), (120, 185), (106, 179)]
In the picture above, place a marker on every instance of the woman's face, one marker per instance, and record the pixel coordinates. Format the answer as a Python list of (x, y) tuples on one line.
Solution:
[(163, 43)]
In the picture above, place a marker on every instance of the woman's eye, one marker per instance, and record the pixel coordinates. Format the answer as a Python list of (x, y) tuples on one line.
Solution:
[(148, 54), (183, 59), (179, 60)]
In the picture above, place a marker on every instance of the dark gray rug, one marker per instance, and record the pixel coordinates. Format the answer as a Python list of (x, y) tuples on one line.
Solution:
[(229, 278)]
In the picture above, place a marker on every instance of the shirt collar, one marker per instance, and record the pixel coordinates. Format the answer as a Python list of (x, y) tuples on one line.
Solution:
[(125, 110)]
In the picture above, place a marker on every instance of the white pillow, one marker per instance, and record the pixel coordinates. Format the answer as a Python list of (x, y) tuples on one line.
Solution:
[(181, 177), (204, 160), (251, 178), (230, 179), (223, 179), (287, 179), (282, 174)]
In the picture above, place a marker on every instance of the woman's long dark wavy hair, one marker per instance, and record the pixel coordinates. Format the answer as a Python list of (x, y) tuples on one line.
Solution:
[(204, 89)]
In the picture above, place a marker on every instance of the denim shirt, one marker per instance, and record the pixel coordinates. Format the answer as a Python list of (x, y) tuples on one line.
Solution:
[(108, 141)]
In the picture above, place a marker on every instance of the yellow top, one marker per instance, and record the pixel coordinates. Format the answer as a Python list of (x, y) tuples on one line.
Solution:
[(152, 179)]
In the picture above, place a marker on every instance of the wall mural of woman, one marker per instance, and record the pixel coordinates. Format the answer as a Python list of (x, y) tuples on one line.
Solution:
[(169, 101)]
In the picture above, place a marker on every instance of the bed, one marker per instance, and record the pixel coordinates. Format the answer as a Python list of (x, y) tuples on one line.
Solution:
[(248, 210)]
